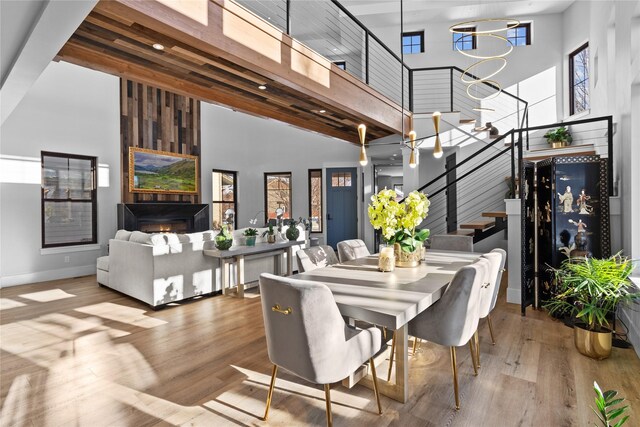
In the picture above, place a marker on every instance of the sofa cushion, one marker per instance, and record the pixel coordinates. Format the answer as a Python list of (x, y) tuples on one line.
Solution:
[(140, 237), (103, 263), (123, 235), (202, 236)]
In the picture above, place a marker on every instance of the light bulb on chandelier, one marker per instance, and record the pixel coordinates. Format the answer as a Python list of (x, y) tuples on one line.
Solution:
[(412, 156), (362, 132)]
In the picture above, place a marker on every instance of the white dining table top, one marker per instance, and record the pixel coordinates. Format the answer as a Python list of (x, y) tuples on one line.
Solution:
[(389, 299)]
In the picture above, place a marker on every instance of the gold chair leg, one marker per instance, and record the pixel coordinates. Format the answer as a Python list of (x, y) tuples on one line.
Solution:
[(416, 344), (455, 376), (475, 336), (270, 393), (473, 357), (493, 340), (375, 384), (327, 396), (393, 352)]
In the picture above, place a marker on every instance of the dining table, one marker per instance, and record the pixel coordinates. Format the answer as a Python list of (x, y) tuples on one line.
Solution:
[(390, 300)]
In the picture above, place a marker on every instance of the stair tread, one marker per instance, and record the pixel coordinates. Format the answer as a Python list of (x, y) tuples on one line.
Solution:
[(467, 121), (479, 224), (460, 232), (495, 214)]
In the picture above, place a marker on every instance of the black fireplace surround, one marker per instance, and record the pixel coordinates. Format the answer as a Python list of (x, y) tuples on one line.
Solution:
[(163, 217)]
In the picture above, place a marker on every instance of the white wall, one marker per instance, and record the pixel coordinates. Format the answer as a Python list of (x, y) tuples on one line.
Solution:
[(253, 145), (69, 109)]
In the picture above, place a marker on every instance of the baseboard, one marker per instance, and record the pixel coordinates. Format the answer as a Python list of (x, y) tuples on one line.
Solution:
[(514, 296), (634, 328), (43, 276)]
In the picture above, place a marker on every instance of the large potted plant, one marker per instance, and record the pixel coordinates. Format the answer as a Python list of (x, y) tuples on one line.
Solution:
[(589, 290), (558, 138), (399, 221)]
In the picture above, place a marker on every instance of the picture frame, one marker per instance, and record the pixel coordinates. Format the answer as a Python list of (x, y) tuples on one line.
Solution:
[(162, 172)]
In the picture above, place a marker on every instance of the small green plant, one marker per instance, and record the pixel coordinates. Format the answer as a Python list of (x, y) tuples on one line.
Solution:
[(605, 411), (269, 231), (589, 289), (250, 232), (223, 240), (558, 135)]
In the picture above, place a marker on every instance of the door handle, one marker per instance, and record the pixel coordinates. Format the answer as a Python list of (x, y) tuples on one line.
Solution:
[(329, 217)]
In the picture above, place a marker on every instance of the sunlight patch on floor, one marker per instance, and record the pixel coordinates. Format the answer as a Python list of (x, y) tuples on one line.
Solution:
[(7, 303), (123, 314), (47, 296)]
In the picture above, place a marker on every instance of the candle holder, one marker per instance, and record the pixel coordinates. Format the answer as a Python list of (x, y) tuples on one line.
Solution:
[(386, 259)]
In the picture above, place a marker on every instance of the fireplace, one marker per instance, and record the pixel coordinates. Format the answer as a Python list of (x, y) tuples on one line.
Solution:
[(163, 217)]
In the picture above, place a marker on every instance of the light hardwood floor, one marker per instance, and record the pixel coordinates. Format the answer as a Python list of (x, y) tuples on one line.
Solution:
[(75, 354)]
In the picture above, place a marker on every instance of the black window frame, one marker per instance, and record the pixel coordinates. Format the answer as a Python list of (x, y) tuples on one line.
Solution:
[(266, 193), (93, 200), (572, 82), (474, 39), (341, 64), (320, 219), (527, 37), (235, 195), (413, 34)]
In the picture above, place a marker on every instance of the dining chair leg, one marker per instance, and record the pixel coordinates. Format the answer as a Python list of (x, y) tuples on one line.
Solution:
[(327, 396), (493, 340), (455, 376), (416, 344), (375, 384), (270, 393), (475, 337), (473, 357), (393, 352)]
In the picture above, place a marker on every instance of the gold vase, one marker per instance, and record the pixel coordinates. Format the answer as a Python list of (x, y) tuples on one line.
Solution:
[(407, 259), (596, 345)]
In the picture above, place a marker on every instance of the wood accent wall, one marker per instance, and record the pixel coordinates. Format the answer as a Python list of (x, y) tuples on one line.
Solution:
[(158, 120)]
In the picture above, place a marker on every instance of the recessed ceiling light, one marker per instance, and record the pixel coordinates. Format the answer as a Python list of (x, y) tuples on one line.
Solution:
[(262, 87), (158, 46), (322, 111)]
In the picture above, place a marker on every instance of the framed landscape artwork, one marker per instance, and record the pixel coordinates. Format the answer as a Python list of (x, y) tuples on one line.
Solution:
[(152, 171)]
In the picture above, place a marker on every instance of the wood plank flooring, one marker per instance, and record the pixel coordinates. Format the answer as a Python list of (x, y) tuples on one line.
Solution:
[(75, 354)]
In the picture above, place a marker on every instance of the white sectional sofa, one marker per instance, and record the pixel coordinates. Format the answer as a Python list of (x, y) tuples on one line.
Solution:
[(166, 267)]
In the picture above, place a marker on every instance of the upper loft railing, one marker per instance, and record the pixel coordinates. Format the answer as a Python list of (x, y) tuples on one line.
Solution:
[(332, 31)]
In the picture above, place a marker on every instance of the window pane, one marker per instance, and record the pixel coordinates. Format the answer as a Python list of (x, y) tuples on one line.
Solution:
[(347, 180), (222, 213), (579, 80), (68, 222), (278, 191), (415, 40), (416, 49), (315, 200)]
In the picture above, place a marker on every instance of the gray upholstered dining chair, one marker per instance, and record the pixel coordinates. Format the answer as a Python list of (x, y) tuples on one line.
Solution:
[(315, 257), (307, 336), (349, 250), (451, 242), (453, 319), (497, 257)]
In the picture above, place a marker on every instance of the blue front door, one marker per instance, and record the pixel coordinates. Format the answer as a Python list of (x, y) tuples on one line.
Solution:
[(342, 205)]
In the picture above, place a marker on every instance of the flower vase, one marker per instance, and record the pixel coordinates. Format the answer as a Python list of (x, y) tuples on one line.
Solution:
[(408, 259), (386, 258)]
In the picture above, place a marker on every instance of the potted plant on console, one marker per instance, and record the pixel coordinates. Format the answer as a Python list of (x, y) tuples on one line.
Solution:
[(292, 232), (558, 138), (250, 234), (589, 290), (270, 233), (223, 240)]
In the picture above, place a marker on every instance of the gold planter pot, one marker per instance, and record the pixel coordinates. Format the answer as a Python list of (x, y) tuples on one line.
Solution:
[(407, 259), (596, 345), (559, 144)]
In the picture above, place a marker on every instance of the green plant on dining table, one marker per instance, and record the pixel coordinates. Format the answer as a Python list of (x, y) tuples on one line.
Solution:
[(399, 221), (605, 402)]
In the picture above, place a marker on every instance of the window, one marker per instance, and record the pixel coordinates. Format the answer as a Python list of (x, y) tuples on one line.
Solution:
[(520, 35), (68, 193), (464, 41), (341, 64), (277, 191), (315, 200), (341, 179), (224, 198), (413, 42), (579, 80)]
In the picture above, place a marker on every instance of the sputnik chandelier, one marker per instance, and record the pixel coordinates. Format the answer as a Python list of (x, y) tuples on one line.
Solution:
[(468, 29)]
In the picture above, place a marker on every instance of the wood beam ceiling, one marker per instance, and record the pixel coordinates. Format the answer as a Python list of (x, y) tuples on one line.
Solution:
[(222, 57)]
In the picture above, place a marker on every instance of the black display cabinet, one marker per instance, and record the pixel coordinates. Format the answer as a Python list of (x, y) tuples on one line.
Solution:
[(568, 216)]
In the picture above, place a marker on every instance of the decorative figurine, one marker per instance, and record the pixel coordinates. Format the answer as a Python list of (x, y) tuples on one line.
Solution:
[(526, 189), (567, 200), (547, 209), (580, 239), (583, 207)]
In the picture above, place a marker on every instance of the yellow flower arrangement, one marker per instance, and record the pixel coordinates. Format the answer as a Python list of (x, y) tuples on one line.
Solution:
[(399, 221)]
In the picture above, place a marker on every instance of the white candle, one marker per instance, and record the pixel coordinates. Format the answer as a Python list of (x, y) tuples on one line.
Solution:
[(386, 259)]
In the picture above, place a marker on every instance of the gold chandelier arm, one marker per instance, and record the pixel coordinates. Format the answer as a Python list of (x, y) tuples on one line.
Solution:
[(510, 24)]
